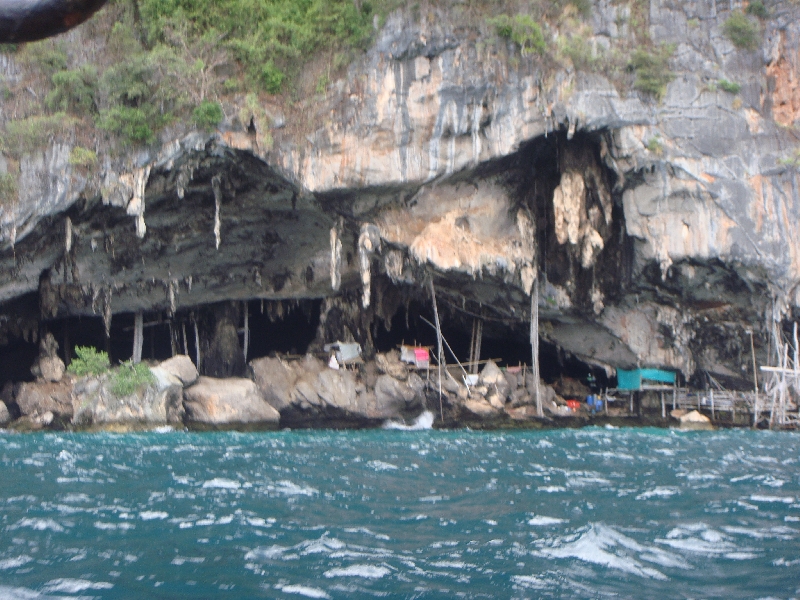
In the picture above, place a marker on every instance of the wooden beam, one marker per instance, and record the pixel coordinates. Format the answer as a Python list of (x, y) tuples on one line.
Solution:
[(138, 337)]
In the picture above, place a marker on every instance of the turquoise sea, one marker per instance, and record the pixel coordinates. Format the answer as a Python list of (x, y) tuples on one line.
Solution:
[(590, 513)]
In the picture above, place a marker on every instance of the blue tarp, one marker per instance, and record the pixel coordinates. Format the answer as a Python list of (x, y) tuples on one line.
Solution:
[(632, 380)]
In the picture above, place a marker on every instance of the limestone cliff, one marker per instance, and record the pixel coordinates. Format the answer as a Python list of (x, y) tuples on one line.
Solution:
[(662, 229)]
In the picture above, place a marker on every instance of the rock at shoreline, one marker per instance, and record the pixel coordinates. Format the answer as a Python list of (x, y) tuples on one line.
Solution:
[(158, 403), (391, 364), (396, 398), (228, 403), (275, 379), (48, 366), (695, 420), (5, 416), (39, 398), (182, 367)]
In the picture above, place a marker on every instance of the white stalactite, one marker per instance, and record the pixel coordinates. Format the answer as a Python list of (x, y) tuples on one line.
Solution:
[(67, 235), (107, 311), (138, 337), (216, 186), (369, 242), (136, 205), (336, 259)]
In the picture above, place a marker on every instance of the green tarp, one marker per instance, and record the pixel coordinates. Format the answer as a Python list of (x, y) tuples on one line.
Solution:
[(632, 380)]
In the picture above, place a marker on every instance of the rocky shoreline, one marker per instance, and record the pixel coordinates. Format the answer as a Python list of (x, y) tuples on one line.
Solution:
[(296, 393)]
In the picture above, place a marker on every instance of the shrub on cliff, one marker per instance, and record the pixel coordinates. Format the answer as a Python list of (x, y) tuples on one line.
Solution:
[(130, 377), (208, 114), (89, 361), (741, 31), (652, 70), (522, 30)]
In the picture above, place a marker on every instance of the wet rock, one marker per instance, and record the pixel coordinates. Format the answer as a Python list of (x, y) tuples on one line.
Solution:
[(395, 398), (275, 380), (228, 403), (158, 403), (5, 416), (42, 397), (182, 367)]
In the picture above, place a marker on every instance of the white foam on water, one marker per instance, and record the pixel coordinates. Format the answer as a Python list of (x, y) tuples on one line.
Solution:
[(152, 515), (73, 586), (288, 488), (604, 546), (740, 555), (584, 481), (612, 455), (542, 521), (423, 421), (13, 563), (698, 538), (302, 590), (433, 499), (259, 522), (163, 429), (222, 484), (19, 593), (764, 498), (778, 533), (365, 571), (182, 560), (530, 582), (551, 489), (544, 444), (453, 564), (791, 519), (39, 525), (270, 553), (658, 492), (379, 465)]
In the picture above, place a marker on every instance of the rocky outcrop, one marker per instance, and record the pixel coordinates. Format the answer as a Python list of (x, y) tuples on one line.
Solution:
[(48, 366), (228, 404), (46, 401), (181, 367), (159, 403)]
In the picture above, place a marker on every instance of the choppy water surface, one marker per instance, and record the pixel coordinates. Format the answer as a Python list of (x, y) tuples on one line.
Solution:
[(412, 514)]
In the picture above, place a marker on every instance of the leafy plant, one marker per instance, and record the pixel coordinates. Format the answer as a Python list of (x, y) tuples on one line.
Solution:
[(655, 146), (652, 70), (757, 9), (131, 124), (522, 30), (729, 86), (23, 136), (741, 31), (82, 157), (89, 361), (9, 188), (73, 90), (208, 114), (130, 377)]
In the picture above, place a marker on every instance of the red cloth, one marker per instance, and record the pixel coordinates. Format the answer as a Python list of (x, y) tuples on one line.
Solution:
[(421, 354)]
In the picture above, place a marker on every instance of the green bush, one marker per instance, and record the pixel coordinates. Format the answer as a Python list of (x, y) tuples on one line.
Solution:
[(522, 30), (130, 377), (26, 135), (89, 361), (741, 31), (757, 9), (272, 77), (131, 124), (729, 86), (82, 157), (9, 188), (652, 70), (73, 90), (208, 114)]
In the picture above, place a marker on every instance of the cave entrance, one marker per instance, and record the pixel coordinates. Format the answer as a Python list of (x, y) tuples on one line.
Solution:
[(281, 327)]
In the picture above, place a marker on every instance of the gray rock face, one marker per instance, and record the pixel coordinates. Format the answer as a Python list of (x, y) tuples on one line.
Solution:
[(46, 397), (182, 367), (395, 398), (275, 379), (160, 403), (228, 403), (48, 366), (5, 416)]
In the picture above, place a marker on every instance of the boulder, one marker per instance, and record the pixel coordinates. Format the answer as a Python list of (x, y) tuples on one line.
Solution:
[(391, 365), (228, 403), (39, 398), (481, 407), (157, 403), (275, 380), (182, 367), (494, 379), (5, 416), (48, 366), (695, 420), (395, 397)]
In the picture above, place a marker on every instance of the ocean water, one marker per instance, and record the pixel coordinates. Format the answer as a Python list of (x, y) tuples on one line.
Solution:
[(590, 513)]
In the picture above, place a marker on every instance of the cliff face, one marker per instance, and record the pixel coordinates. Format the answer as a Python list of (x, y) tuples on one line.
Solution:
[(661, 230)]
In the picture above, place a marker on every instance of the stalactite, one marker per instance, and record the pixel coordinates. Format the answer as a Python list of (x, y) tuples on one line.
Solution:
[(172, 291), (216, 185), (136, 205), (185, 341), (246, 329), (369, 242), (196, 344), (67, 235), (138, 337), (336, 258)]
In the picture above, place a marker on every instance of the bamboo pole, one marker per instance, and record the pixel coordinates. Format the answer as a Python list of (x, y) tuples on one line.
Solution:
[(755, 379), (185, 344), (440, 354), (246, 329), (138, 337), (196, 344)]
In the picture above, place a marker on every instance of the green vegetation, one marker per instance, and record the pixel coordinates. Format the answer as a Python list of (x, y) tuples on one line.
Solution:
[(757, 9), (522, 30), (729, 86), (73, 90), (208, 114), (130, 377), (655, 146), (9, 188), (792, 161), (82, 157), (89, 361), (25, 135), (652, 70), (741, 31)]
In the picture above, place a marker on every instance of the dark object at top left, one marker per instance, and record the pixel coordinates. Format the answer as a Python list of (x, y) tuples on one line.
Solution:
[(29, 20)]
